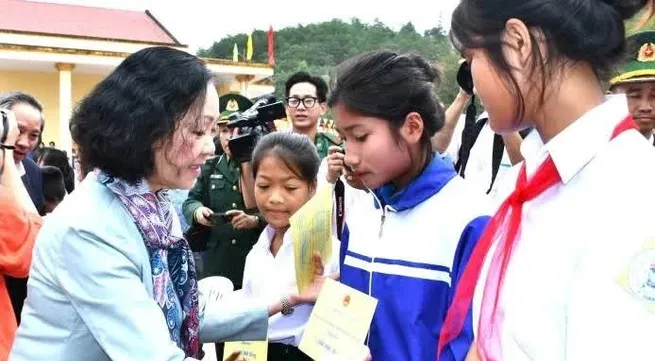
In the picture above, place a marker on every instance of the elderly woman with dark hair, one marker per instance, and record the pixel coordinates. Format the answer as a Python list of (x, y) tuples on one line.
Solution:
[(111, 277)]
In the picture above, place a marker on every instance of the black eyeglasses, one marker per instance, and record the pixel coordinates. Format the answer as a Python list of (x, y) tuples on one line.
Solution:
[(308, 102)]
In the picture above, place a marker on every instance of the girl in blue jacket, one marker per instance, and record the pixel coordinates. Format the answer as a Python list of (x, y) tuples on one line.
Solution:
[(409, 242)]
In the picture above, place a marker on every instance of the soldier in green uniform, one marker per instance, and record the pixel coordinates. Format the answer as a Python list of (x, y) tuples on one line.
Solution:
[(219, 186), (306, 97), (637, 81)]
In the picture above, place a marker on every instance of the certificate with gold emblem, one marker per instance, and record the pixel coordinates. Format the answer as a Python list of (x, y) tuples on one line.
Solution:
[(339, 323)]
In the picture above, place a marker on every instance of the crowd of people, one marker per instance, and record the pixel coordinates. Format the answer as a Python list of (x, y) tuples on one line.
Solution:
[(503, 234)]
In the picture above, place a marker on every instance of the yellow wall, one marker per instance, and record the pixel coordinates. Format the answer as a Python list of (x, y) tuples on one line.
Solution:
[(45, 87), (233, 87), (83, 84)]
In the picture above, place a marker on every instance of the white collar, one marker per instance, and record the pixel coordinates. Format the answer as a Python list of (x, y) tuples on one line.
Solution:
[(579, 143), (266, 237)]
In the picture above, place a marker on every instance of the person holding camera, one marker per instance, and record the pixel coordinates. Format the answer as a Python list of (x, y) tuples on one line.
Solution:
[(19, 225)]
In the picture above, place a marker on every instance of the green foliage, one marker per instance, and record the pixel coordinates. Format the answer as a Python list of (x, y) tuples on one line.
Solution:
[(318, 48)]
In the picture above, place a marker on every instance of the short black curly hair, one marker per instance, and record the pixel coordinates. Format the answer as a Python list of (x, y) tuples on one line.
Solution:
[(137, 106), (304, 77)]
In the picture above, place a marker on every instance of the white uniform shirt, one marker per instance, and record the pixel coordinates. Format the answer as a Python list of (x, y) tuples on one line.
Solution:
[(564, 296), (479, 166), (269, 278)]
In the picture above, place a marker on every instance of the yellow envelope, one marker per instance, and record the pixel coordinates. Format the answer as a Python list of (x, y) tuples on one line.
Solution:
[(250, 350), (339, 323), (311, 230)]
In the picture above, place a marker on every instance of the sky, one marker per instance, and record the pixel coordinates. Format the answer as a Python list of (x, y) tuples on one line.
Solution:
[(198, 23)]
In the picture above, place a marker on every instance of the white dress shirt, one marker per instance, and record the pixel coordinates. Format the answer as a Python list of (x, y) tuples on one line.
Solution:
[(565, 296), (269, 278)]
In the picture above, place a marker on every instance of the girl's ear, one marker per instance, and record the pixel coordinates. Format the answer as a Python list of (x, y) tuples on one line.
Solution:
[(518, 38), (412, 129)]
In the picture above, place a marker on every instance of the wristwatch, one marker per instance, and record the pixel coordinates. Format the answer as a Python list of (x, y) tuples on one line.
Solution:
[(287, 309)]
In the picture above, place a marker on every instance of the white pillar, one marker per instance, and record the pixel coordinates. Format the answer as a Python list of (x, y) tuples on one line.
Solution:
[(65, 105), (244, 80)]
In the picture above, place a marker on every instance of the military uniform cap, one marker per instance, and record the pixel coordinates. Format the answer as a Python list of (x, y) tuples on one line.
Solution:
[(231, 103), (640, 66)]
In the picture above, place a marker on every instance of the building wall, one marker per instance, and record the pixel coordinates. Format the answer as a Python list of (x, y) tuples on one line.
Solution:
[(45, 87), (253, 90)]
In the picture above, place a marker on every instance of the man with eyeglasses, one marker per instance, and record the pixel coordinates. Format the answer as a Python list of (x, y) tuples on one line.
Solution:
[(306, 97)]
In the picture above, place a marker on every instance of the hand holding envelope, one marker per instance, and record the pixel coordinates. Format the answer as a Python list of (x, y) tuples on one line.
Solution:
[(311, 230), (338, 325), (313, 289)]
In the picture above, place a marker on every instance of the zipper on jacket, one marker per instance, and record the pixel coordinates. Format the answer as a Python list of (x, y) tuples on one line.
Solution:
[(383, 217)]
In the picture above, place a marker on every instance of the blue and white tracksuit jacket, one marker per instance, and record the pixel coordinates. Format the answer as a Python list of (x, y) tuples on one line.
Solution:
[(408, 250)]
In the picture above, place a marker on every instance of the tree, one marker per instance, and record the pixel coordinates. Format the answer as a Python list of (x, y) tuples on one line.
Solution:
[(318, 48)]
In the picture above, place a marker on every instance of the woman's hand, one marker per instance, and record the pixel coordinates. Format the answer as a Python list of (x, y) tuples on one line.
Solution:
[(312, 292), (203, 215), (234, 357), (241, 220)]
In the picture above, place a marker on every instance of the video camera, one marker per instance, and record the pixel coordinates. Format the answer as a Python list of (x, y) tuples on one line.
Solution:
[(252, 124)]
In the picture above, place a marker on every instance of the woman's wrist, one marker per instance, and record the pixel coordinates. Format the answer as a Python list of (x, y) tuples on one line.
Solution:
[(293, 299)]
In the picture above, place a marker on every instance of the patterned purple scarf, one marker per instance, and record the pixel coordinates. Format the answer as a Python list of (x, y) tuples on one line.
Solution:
[(175, 287)]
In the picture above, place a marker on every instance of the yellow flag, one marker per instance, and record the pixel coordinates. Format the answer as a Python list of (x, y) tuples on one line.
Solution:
[(249, 48), (235, 53), (311, 230)]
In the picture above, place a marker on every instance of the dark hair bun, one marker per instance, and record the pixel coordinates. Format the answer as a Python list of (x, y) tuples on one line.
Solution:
[(389, 85), (430, 72), (626, 8)]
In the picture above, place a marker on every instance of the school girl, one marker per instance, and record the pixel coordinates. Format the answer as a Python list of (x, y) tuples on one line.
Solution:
[(564, 271), (285, 167), (407, 242)]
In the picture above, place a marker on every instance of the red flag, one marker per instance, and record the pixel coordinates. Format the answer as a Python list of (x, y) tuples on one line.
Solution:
[(271, 46)]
